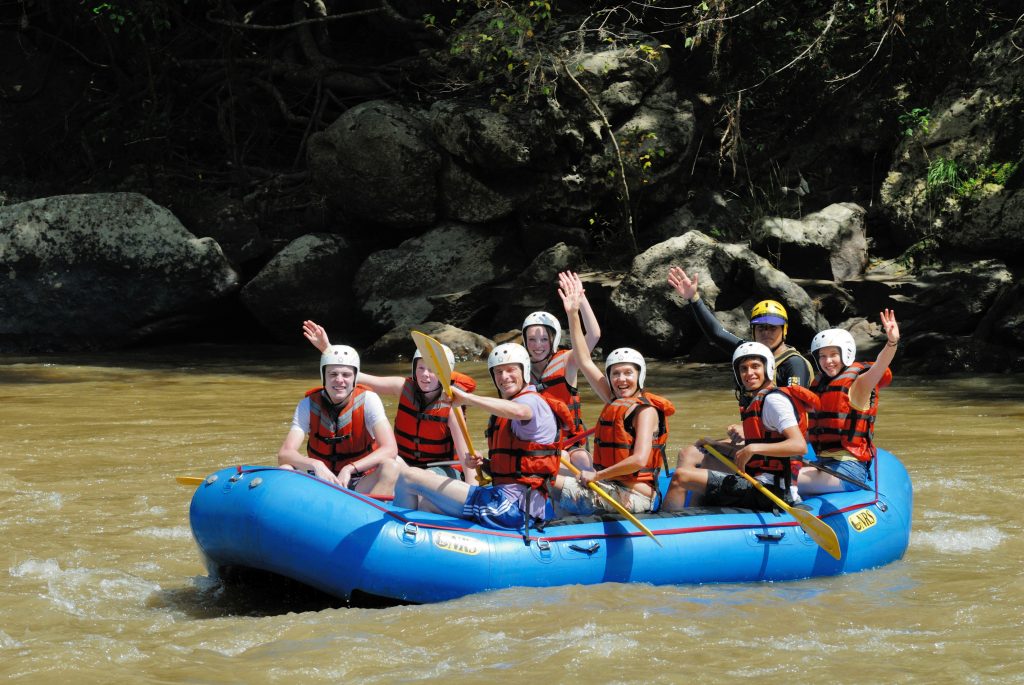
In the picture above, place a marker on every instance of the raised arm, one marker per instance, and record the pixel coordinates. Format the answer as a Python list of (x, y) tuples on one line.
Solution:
[(709, 325), (383, 385), (571, 291), (590, 324), (316, 335), (860, 391)]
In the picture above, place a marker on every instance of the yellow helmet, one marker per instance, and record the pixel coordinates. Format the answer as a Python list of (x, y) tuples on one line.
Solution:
[(770, 312)]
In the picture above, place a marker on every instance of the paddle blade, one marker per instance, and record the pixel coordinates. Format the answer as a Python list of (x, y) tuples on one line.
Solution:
[(435, 359), (189, 480), (819, 531)]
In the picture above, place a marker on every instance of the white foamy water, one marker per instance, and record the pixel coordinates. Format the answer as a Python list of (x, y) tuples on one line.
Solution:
[(982, 539)]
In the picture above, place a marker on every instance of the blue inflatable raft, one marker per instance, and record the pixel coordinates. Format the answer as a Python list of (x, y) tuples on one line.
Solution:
[(347, 544)]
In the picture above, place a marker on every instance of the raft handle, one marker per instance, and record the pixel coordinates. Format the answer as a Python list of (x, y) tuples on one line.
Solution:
[(411, 530), (770, 537), (882, 506), (594, 546)]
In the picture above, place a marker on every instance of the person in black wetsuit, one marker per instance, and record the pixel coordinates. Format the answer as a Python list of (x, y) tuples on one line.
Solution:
[(769, 324)]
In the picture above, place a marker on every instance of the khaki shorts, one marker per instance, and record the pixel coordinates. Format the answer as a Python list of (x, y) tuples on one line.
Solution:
[(582, 501)]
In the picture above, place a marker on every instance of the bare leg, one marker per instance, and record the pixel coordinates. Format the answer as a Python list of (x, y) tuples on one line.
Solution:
[(581, 459), (446, 494), (814, 482), (684, 480), (382, 481)]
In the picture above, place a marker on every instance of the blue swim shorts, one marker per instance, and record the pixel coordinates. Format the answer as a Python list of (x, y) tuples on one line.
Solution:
[(490, 507), (858, 470)]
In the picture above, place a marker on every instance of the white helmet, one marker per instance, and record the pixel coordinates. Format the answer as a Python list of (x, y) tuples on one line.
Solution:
[(835, 337), (339, 354), (544, 319), (509, 353), (625, 355), (447, 353), (754, 349)]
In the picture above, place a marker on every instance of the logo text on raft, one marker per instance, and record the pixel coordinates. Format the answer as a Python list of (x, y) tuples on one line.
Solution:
[(452, 542), (862, 520)]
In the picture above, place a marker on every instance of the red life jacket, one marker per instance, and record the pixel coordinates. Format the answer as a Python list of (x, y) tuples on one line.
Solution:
[(838, 426), (552, 383), (422, 432), (338, 435), (520, 461), (616, 434), (783, 469), (463, 381)]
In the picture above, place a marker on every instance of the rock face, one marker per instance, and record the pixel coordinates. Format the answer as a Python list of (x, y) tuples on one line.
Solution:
[(83, 271), (953, 180), (731, 279), (311, 278), (393, 286), (831, 244), (378, 161)]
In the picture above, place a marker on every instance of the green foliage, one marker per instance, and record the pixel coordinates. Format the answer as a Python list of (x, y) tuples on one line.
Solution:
[(917, 119), (997, 173), (641, 153), (944, 176), (947, 178), (498, 44), (147, 15)]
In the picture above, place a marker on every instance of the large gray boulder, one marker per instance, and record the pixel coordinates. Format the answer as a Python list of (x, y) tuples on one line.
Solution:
[(311, 278), (379, 161), (731, 279), (101, 271), (394, 286), (830, 244), (481, 137)]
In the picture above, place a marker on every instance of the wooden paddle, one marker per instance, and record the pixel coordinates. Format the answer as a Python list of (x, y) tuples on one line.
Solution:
[(819, 531), (612, 501), (437, 360)]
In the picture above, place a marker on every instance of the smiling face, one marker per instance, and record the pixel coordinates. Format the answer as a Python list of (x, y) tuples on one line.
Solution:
[(538, 343), (768, 335), (426, 380), (339, 380), (624, 379), (509, 379), (830, 361), (751, 373)]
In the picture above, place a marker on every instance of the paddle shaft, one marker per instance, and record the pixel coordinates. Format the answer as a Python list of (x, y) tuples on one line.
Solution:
[(428, 348), (818, 530), (612, 501)]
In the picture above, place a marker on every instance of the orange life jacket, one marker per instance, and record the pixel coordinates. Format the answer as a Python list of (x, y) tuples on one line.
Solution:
[(465, 382), (616, 434), (552, 383), (838, 426), (525, 462), (783, 469), (421, 431), (338, 435)]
